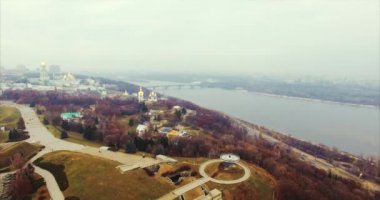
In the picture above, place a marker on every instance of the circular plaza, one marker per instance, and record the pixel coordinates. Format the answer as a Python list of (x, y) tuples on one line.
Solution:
[(225, 170)]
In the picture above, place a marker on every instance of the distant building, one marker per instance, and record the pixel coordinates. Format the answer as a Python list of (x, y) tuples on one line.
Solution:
[(140, 95), (141, 130), (177, 107), (173, 133), (68, 116), (68, 77), (54, 70), (165, 130), (44, 77), (69, 81), (152, 96)]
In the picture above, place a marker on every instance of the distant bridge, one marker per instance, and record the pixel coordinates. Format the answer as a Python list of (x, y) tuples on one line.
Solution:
[(177, 86)]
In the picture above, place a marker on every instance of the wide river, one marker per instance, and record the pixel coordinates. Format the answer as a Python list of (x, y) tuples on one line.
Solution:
[(350, 128)]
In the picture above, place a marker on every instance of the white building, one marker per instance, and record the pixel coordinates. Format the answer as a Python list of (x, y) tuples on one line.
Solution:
[(152, 96), (141, 129), (177, 107), (125, 93), (44, 76)]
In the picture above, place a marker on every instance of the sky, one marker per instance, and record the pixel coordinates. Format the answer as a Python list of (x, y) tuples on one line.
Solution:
[(328, 38)]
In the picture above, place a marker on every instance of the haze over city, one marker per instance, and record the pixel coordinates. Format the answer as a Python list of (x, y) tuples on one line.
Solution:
[(189, 100), (317, 37)]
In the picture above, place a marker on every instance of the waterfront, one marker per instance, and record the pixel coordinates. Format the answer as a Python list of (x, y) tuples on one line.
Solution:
[(350, 128)]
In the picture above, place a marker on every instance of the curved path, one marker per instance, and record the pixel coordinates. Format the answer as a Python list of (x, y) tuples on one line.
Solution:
[(202, 172), (38, 133), (206, 178)]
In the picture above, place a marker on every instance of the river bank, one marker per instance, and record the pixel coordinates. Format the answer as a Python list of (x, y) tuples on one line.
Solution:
[(350, 128)]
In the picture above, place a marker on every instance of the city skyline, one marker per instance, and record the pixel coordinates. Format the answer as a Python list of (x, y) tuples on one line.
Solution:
[(334, 39)]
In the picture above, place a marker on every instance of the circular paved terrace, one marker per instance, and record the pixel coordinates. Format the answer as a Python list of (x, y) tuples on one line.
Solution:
[(202, 172)]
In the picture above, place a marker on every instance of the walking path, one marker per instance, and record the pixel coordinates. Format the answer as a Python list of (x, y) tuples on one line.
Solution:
[(40, 134), (206, 178), (202, 172), (51, 184)]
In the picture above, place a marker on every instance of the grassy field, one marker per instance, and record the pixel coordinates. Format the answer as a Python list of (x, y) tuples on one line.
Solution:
[(232, 173), (259, 186), (4, 137), (73, 137), (90, 177), (6, 151), (9, 117)]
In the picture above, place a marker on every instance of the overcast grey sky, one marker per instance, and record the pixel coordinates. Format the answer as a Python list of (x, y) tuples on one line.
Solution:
[(336, 38)]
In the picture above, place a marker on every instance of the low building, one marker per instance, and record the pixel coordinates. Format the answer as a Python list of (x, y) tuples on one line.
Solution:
[(177, 107), (141, 129), (165, 130), (68, 116), (173, 133), (152, 96)]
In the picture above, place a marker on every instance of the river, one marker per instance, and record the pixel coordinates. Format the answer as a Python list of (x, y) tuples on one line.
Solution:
[(350, 128)]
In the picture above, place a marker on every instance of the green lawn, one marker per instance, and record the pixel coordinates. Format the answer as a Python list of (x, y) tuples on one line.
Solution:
[(73, 137), (91, 177)]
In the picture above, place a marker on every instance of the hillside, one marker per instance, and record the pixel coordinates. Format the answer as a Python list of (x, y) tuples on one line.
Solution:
[(8, 150), (9, 116), (89, 177), (112, 121)]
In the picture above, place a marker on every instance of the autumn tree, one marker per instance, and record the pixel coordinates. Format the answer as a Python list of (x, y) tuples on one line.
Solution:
[(17, 161), (21, 185)]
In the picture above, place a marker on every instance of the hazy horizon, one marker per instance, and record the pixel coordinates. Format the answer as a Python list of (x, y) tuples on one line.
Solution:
[(335, 39)]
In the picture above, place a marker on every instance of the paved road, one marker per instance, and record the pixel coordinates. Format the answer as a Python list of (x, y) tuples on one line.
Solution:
[(127, 159), (205, 178), (39, 133), (316, 162), (51, 183), (182, 190)]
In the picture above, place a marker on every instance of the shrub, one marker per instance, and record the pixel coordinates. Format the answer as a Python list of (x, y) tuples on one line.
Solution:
[(64, 134)]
